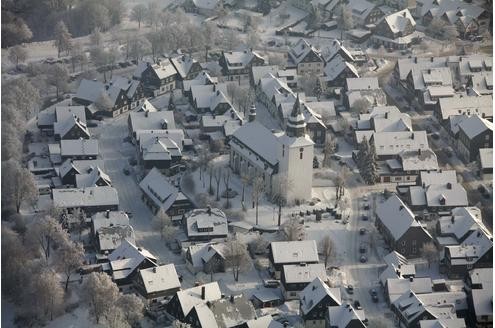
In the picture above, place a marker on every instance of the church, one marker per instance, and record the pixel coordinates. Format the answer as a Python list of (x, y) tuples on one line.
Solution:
[(256, 151)]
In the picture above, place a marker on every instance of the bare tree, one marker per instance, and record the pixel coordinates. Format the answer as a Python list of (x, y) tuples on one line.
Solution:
[(62, 38), (18, 184), (293, 230), (360, 106), (21, 94), (259, 245), (217, 175), (258, 189), (245, 179), (46, 294), (152, 13), (138, 13), (329, 149), (58, 77), (345, 20), (327, 248), (17, 54), (42, 233), (132, 307), (226, 182), (204, 157), (101, 293), (281, 186), (236, 257), (430, 252), (78, 57), (308, 83), (103, 102), (96, 38), (70, 258), (14, 259)]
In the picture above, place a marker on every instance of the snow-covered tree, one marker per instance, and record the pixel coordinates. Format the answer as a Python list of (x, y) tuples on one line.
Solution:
[(101, 294), (236, 257), (281, 185), (17, 54), (45, 294), (18, 186), (258, 188), (344, 19), (62, 38), (132, 307), (430, 252), (163, 224), (138, 14), (293, 230), (360, 106), (43, 233), (70, 258), (58, 77)]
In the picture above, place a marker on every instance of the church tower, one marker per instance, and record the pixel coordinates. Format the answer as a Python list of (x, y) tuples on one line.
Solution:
[(296, 156), (296, 124)]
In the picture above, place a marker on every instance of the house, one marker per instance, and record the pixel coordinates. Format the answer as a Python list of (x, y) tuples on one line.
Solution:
[(337, 48), (210, 98), (202, 7), (150, 120), (479, 279), (364, 12), (66, 122), (411, 308), (108, 219), (71, 128), (160, 194), (405, 169), (480, 84), (101, 99), (474, 252), (291, 252), (295, 277), (481, 307), (475, 133), (159, 152), (95, 177), (389, 145), (79, 149), (345, 316), (357, 88), (146, 106), (397, 31), (305, 58), (437, 191), (205, 224), (485, 162), (266, 299), (226, 312), (398, 267), (429, 85), (202, 78), (158, 78), (185, 300), (383, 119), (126, 261), (271, 91), (255, 150), (133, 89), (236, 65), (400, 228), (314, 302), (220, 127), (90, 199), (443, 323), (456, 227), (336, 71), (208, 257), (157, 282), (187, 68), (289, 76), (447, 107), (69, 169)]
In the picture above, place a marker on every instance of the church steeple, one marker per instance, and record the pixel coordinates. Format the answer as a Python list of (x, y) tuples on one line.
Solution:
[(296, 124)]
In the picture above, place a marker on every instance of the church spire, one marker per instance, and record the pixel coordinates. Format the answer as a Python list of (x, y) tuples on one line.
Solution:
[(296, 124)]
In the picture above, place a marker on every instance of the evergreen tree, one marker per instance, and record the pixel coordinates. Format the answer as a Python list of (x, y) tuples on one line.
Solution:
[(171, 105)]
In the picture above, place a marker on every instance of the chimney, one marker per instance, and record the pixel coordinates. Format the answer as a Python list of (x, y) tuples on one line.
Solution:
[(231, 298), (146, 114), (431, 59), (415, 60), (107, 214), (452, 219), (401, 208), (154, 269), (412, 136), (203, 292), (404, 14), (386, 114), (411, 279), (208, 210), (449, 185), (419, 151)]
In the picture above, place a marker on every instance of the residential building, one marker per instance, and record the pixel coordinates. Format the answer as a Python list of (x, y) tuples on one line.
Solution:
[(441, 323), (161, 195), (185, 300), (396, 31), (336, 71), (78, 149), (90, 199), (70, 168), (205, 224), (485, 161), (157, 282), (345, 316), (236, 65), (296, 277), (265, 321), (305, 58), (453, 229), (133, 89), (187, 68), (357, 88), (210, 98), (266, 299), (150, 120), (396, 287), (95, 177), (314, 301), (447, 107), (283, 253), (475, 133), (158, 78), (400, 228), (364, 12), (208, 257)]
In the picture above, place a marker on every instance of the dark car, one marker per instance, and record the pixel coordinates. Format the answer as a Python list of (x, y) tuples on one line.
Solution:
[(92, 124), (435, 135), (366, 206), (374, 295), (126, 171), (484, 191), (357, 305), (362, 231), (350, 289), (362, 248), (363, 259), (365, 218), (269, 283)]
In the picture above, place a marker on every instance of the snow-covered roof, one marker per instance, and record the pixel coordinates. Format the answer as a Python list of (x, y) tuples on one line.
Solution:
[(213, 220), (474, 125), (85, 197), (418, 160), (176, 135), (81, 166), (446, 194), (240, 59), (399, 21), (482, 276), (472, 248), (440, 7), (397, 287), (156, 186), (304, 251), (205, 316), (395, 258), (160, 278), (90, 90), (232, 311), (482, 105), (150, 120), (396, 216), (128, 250), (392, 143), (258, 139), (265, 321), (190, 297), (109, 218), (301, 49), (443, 323), (304, 273), (183, 64), (64, 112), (461, 221), (79, 147), (61, 128), (163, 69), (202, 78), (159, 148), (343, 315), (362, 83), (127, 85), (438, 177), (259, 72), (387, 119), (110, 237), (90, 179), (361, 8), (336, 66), (482, 301), (316, 291), (335, 48)]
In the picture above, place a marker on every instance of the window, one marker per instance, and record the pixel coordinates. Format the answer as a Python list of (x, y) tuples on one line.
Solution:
[(301, 153), (414, 250), (403, 243)]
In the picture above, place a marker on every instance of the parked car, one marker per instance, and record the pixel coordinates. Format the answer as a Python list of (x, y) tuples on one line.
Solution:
[(92, 124), (484, 191), (362, 231), (271, 283), (435, 135), (126, 171), (374, 295), (365, 218), (357, 305), (363, 259), (362, 248), (350, 289)]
